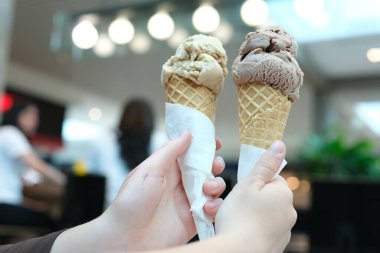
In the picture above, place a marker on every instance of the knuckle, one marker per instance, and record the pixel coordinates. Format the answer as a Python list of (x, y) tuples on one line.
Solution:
[(288, 237), (293, 217), (252, 182), (268, 164), (288, 193)]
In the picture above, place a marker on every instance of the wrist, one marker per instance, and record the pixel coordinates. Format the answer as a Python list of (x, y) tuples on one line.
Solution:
[(85, 238), (242, 243), (111, 239)]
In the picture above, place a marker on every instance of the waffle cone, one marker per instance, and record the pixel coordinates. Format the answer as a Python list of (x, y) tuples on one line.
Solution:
[(263, 112), (185, 92)]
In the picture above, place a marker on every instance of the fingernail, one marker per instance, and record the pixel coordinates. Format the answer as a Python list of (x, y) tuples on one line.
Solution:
[(214, 185), (221, 161), (185, 133), (277, 147)]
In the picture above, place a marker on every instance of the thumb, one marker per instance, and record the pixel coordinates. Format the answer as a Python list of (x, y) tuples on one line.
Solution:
[(167, 154), (268, 164), (174, 148)]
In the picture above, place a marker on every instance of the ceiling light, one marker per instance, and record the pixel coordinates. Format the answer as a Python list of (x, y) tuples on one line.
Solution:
[(373, 55), (141, 44), (178, 36), (121, 31), (84, 35), (95, 114), (161, 26), (206, 18), (104, 48), (254, 12), (224, 32), (311, 10)]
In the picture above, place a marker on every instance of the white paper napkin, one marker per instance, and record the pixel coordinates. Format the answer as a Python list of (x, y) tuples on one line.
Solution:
[(249, 155), (196, 163)]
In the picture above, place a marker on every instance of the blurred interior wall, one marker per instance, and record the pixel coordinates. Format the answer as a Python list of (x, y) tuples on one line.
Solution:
[(6, 17), (344, 98)]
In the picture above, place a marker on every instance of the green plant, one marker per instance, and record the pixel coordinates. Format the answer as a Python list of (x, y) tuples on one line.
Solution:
[(331, 155)]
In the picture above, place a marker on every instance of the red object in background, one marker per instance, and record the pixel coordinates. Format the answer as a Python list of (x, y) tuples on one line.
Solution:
[(47, 143), (6, 102)]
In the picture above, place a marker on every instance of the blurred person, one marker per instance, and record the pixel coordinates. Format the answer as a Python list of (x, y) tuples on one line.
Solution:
[(118, 152), (152, 214), (16, 156)]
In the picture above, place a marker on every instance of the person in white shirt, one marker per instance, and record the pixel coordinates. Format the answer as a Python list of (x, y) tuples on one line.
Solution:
[(115, 153), (16, 155)]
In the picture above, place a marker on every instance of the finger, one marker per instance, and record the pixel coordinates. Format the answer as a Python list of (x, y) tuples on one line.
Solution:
[(174, 148), (218, 143), (212, 206), (218, 165), (166, 155), (268, 164), (214, 187)]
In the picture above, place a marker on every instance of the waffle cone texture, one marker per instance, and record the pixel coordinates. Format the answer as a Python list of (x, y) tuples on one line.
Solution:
[(263, 113), (185, 92)]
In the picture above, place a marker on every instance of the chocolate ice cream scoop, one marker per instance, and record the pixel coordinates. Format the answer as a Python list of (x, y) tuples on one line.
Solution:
[(268, 56)]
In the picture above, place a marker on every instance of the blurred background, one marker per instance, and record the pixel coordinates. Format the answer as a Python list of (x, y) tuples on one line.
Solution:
[(82, 60)]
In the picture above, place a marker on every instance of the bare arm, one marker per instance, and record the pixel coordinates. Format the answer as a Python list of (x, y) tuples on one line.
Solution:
[(85, 238), (216, 244), (32, 161)]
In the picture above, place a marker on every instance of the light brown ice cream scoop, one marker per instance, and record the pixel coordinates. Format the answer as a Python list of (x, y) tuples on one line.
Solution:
[(268, 56), (201, 59)]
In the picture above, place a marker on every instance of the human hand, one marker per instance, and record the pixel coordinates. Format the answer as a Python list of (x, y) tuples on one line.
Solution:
[(259, 211), (151, 210)]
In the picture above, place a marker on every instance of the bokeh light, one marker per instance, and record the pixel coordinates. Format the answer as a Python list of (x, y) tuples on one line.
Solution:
[(254, 12), (104, 48), (206, 18), (161, 26), (85, 35), (121, 31)]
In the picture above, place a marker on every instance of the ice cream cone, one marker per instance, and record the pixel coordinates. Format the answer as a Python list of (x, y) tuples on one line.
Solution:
[(185, 92), (263, 112), (192, 79)]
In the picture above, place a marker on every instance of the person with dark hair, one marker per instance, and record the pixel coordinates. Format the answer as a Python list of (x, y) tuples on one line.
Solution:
[(16, 155), (116, 153), (135, 130)]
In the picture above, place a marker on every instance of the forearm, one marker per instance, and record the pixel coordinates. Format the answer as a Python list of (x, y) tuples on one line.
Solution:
[(85, 238), (90, 238), (220, 244), (30, 160)]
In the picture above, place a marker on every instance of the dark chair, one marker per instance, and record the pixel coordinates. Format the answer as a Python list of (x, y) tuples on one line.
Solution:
[(83, 200)]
